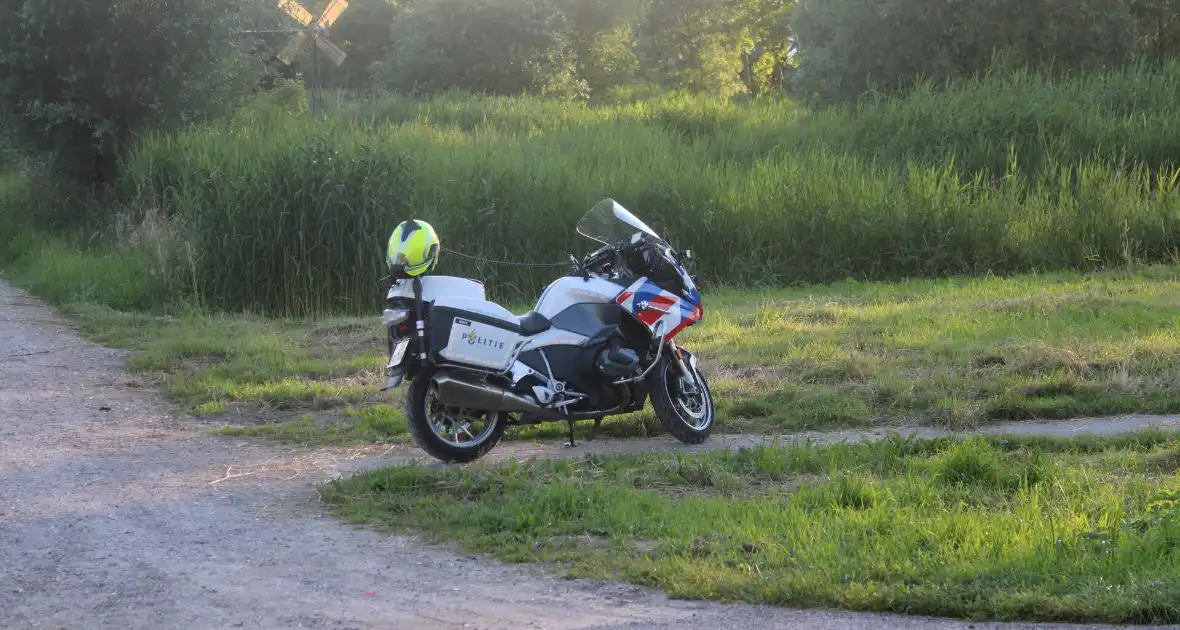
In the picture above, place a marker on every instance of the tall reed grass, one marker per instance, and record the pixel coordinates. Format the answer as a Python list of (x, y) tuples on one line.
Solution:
[(1002, 174)]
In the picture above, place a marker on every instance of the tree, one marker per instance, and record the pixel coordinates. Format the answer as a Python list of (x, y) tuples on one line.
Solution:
[(365, 32), (603, 40), (766, 57), (1159, 27), (79, 78), (487, 46), (694, 45), (851, 46), (580, 47)]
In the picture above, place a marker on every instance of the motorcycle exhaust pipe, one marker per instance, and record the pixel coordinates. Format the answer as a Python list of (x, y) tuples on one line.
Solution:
[(459, 393)]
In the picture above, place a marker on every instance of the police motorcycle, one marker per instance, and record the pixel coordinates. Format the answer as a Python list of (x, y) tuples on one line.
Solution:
[(599, 342)]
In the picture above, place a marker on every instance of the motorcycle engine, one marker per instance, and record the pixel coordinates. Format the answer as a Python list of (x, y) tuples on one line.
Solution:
[(616, 362)]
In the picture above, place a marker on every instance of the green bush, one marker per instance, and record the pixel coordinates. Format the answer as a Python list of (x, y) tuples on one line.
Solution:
[(16, 208), (132, 265)]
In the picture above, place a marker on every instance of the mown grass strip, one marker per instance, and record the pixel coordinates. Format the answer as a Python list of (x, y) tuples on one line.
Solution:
[(951, 353), (996, 528)]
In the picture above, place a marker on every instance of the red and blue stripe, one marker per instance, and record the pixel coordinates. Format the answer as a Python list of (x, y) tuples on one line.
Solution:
[(681, 313)]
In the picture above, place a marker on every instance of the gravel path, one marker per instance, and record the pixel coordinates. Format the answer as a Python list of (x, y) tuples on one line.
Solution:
[(114, 514)]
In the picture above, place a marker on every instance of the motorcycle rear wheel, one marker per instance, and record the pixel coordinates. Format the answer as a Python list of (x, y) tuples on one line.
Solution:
[(440, 430)]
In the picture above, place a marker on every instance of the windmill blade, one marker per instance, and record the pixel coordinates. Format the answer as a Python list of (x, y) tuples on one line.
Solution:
[(287, 54), (332, 12), (279, 30), (330, 50), (296, 10)]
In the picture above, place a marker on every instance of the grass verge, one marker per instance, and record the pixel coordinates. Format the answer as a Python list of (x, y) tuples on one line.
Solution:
[(951, 353), (987, 528)]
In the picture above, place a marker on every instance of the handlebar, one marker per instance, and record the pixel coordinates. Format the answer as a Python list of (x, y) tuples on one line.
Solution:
[(601, 259), (598, 258)]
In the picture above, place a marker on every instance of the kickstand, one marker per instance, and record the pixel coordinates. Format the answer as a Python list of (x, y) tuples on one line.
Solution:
[(571, 444), (594, 431)]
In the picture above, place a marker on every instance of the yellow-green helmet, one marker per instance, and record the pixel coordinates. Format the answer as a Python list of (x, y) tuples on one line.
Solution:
[(413, 248)]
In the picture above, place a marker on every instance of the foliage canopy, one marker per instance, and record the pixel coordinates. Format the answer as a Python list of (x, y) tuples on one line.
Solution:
[(79, 78)]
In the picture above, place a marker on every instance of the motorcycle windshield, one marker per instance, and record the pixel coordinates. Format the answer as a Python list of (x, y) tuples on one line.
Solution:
[(611, 224)]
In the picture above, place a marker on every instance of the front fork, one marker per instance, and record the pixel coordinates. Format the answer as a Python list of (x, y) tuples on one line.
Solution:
[(688, 381)]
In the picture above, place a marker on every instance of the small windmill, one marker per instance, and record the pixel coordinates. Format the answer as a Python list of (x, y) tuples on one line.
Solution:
[(316, 30)]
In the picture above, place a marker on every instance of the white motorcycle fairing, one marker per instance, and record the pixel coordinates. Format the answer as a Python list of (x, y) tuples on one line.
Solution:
[(569, 291), (434, 287), (494, 347)]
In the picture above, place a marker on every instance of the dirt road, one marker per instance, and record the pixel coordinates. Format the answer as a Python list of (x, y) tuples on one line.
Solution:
[(114, 515)]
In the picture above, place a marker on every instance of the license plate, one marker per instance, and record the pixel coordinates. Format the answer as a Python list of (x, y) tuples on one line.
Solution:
[(399, 352)]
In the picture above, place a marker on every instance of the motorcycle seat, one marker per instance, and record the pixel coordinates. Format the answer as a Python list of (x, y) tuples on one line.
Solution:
[(534, 323)]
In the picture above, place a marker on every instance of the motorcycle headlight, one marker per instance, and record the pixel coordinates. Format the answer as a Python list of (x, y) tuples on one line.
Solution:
[(393, 317)]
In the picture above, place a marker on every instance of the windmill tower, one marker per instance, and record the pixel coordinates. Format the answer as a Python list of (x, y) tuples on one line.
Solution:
[(316, 30)]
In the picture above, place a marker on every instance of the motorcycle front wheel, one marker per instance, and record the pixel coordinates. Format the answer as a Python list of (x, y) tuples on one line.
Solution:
[(683, 403), (452, 434)]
